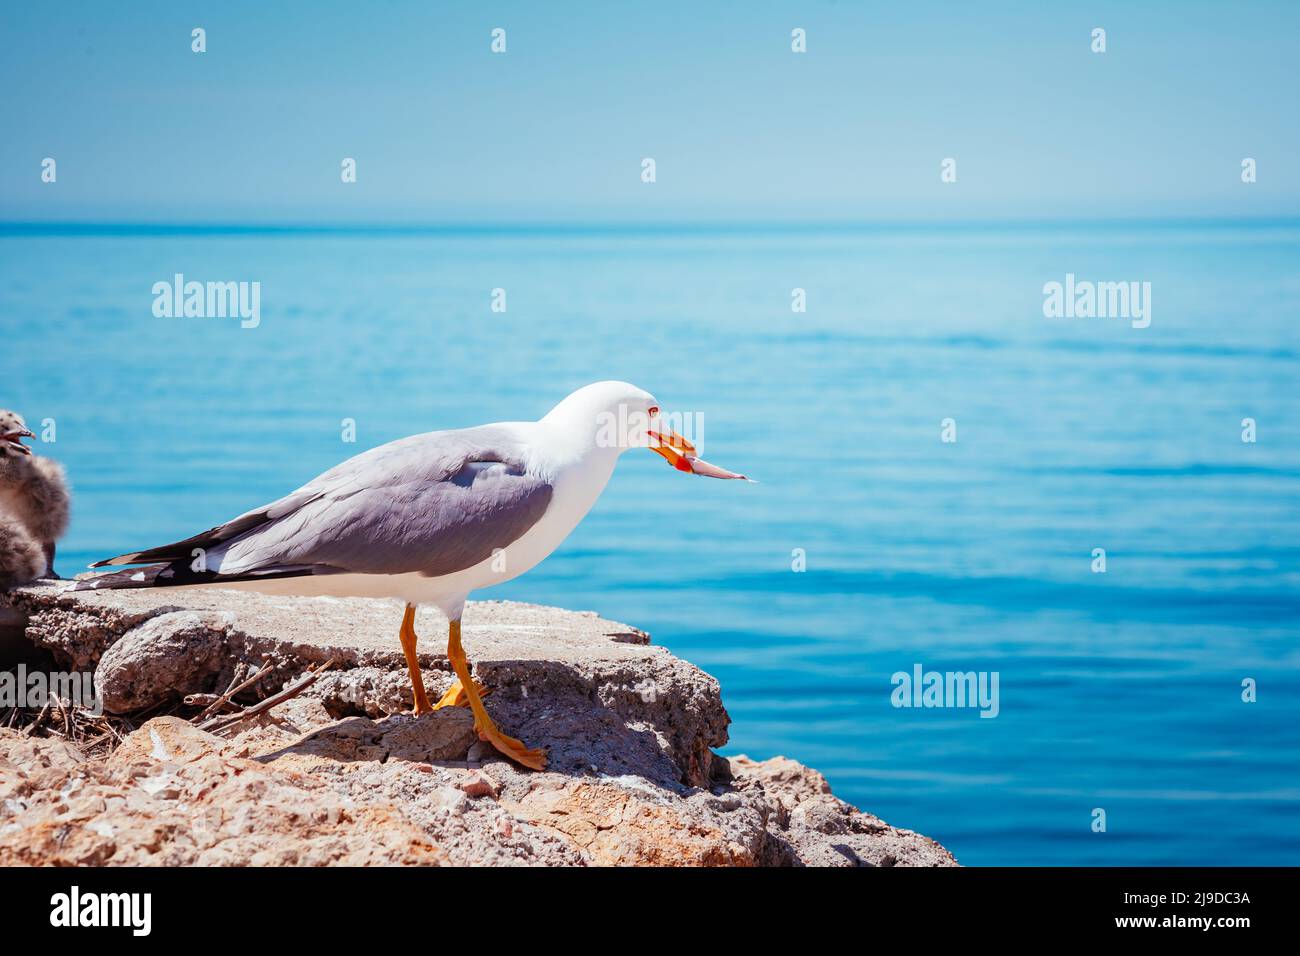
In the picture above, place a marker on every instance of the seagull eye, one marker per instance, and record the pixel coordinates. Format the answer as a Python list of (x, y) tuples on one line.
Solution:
[(654, 410)]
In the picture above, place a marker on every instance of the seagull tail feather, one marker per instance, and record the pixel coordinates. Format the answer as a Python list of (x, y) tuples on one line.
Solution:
[(131, 578), (175, 574)]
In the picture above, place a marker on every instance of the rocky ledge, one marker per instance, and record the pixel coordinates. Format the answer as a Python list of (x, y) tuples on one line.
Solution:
[(341, 775)]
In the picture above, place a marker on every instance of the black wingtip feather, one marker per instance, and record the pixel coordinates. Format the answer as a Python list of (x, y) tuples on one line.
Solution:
[(116, 562), (175, 574), (184, 550)]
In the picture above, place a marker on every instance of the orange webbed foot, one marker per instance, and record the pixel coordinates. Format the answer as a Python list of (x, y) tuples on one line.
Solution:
[(533, 758), (456, 696)]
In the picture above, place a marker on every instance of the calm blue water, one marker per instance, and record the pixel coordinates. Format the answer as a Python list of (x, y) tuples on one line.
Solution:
[(1119, 691)]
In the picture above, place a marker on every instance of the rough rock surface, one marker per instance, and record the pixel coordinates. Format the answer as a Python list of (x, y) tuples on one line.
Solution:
[(341, 775)]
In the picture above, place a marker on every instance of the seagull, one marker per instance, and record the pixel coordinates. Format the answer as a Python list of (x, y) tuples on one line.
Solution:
[(427, 520), (34, 505)]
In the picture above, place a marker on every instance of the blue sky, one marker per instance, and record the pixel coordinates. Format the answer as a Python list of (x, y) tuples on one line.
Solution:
[(740, 128)]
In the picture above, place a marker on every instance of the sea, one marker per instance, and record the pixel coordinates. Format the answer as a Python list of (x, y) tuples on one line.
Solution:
[(1101, 513)]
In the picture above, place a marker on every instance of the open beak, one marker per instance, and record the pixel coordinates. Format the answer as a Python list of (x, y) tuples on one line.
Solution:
[(681, 454), (14, 439)]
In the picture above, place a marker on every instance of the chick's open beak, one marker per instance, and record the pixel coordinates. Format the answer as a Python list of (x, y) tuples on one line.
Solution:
[(13, 438), (681, 454)]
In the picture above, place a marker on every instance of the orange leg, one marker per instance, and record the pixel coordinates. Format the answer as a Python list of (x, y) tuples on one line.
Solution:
[(487, 729), (408, 639)]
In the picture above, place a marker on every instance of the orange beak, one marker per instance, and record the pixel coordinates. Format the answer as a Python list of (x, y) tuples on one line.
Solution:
[(673, 447), (681, 454)]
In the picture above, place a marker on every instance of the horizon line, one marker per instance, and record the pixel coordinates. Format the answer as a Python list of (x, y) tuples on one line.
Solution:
[(15, 228)]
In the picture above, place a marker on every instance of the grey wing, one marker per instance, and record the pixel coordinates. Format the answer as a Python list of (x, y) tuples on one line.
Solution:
[(214, 537), (433, 504)]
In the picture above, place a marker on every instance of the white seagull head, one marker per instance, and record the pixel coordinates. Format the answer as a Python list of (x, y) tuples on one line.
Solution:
[(619, 416), (614, 415)]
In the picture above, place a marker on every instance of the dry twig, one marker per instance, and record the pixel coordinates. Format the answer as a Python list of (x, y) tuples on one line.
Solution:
[(293, 690), (35, 725), (224, 699)]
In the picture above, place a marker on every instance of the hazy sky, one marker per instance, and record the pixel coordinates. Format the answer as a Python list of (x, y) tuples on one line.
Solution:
[(143, 129)]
